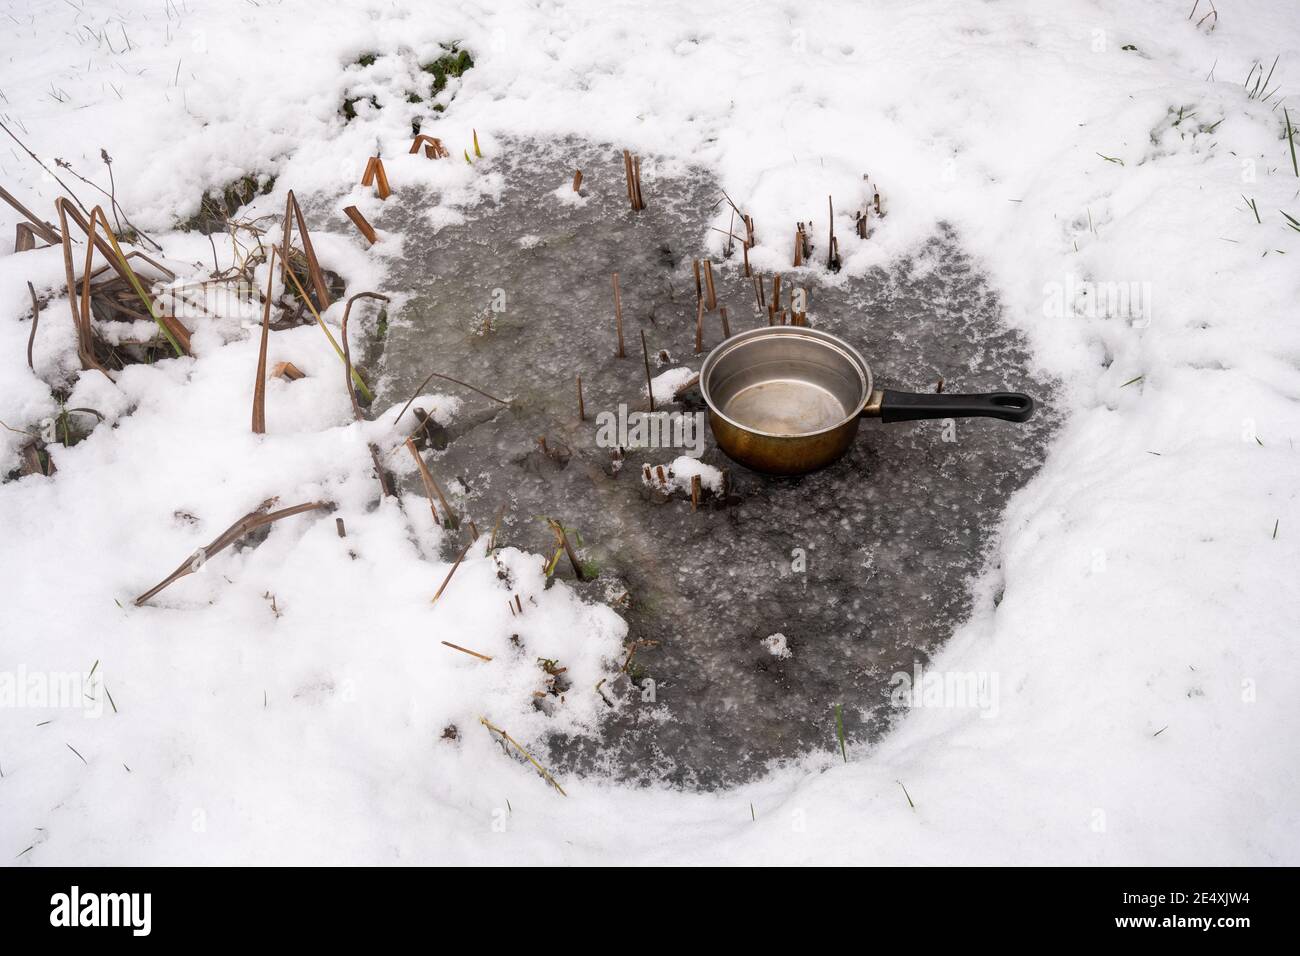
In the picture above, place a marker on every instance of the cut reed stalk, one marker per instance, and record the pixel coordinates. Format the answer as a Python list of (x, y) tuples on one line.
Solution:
[(24, 237), (376, 176), (618, 317), (292, 214), (433, 147), (577, 180), (363, 227), (708, 285), (39, 226), (582, 411), (649, 382), (632, 171)]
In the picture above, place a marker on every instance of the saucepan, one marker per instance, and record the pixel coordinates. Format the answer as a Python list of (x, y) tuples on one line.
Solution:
[(787, 400)]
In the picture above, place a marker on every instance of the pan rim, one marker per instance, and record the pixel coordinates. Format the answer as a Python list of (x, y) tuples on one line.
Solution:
[(825, 339)]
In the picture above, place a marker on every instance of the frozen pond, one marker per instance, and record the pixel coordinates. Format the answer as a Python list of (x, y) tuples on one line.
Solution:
[(864, 567)]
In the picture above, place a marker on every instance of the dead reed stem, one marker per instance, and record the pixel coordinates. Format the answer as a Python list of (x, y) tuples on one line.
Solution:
[(446, 378), (540, 769), (562, 539), (447, 580), (363, 227), (708, 285), (577, 180), (258, 518), (259, 383), (292, 214), (433, 147), (466, 650), (649, 382), (36, 318), (175, 333), (39, 226), (632, 171), (582, 411), (492, 541), (832, 245), (356, 376), (23, 146), (347, 353), (431, 489), (375, 175), (618, 317)]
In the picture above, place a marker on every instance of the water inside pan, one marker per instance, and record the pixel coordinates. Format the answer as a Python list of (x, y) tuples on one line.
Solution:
[(785, 407)]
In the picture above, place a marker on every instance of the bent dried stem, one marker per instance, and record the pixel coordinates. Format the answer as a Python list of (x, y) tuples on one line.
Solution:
[(258, 518)]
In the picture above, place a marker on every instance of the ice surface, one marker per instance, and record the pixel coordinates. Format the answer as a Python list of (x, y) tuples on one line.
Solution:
[(863, 566)]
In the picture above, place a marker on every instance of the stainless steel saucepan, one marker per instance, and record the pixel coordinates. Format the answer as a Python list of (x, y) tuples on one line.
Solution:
[(787, 399)]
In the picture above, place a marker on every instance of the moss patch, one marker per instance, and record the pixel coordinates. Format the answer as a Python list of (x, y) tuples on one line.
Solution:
[(220, 204), (454, 63)]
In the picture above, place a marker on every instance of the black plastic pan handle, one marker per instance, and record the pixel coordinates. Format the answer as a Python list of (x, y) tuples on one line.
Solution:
[(915, 406)]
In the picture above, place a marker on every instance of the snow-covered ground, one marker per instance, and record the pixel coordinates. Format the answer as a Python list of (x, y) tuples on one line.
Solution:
[(1138, 634)]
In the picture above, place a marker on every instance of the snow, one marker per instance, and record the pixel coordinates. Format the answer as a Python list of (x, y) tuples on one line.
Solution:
[(680, 473), (777, 646), (667, 384), (1139, 612)]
